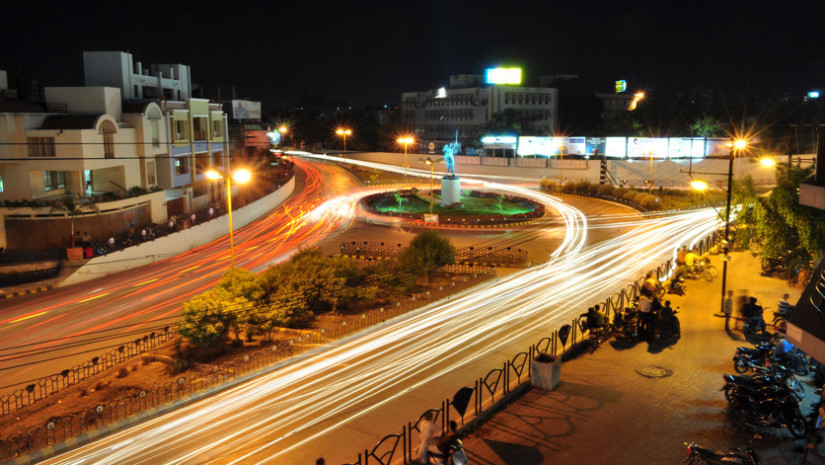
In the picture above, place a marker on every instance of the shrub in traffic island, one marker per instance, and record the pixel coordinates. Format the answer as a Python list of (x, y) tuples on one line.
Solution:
[(208, 319)]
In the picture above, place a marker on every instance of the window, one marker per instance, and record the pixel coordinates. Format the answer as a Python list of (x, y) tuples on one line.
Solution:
[(199, 128), (41, 146), (216, 129), (2, 187), (201, 162), (108, 146), (150, 173), (155, 133), (54, 180), (217, 159), (181, 165), (180, 130)]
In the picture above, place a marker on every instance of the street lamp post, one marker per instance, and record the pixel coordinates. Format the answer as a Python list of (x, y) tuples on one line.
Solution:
[(561, 165), (343, 132), (405, 141), (431, 163), (241, 176), (738, 144), (283, 130)]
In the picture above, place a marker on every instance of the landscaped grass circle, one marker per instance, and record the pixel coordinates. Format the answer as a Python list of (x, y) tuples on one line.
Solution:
[(474, 205)]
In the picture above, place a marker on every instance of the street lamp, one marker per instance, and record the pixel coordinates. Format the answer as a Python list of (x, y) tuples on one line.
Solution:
[(407, 140), (561, 165), (738, 144), (344, 133), (283, 130), (431, 163), (241, 176)]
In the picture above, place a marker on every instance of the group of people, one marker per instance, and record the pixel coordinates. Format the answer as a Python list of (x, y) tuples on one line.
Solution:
[(444, 445), (686, 261)]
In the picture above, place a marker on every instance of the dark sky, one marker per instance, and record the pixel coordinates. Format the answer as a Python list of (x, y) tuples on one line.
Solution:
[(371, 51)]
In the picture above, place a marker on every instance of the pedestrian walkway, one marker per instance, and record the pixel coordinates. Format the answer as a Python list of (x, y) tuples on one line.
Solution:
[(640, 404)]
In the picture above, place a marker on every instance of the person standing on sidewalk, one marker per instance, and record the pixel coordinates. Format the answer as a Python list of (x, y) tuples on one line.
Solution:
[(728, 310), (428, 433)]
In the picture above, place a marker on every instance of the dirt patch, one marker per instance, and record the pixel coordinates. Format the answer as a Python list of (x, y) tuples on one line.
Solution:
[(152, 369)]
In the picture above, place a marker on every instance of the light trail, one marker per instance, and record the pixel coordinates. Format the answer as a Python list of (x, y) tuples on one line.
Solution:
[(298, 407)]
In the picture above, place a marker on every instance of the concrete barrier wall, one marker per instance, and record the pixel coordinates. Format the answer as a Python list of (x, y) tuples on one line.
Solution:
[(179, 242), (666, 173)]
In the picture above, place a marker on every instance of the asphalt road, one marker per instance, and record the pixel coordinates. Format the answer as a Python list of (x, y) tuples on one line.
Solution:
[(342, 400), (45, 333)]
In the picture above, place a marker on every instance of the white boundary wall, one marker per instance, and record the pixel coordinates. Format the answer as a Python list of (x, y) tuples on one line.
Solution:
[(179, 242), (666, 173)]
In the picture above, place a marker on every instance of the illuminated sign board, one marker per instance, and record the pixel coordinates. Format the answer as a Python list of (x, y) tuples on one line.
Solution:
[(502, 76), (499, 140), (623, 147), (245, 109), (549, 146), (813, 94), (621, 86), (647, 147)]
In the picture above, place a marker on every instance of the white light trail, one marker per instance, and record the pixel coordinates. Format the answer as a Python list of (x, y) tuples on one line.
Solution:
[(269, 417)]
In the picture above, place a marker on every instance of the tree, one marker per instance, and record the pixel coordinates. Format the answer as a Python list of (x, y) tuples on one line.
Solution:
[(776, 226), (74, 205), (706, 126), (209, 317), (427, 252)]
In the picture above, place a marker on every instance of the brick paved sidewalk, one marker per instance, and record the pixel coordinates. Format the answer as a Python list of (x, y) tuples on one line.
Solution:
[(605, 411)]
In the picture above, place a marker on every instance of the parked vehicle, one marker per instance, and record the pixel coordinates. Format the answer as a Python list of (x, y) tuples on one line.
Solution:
[(699, 454), (747, 358), (773, 412)]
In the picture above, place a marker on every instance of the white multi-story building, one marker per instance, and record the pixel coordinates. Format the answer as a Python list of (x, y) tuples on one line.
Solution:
[(118, 69), (198, 130), (467, 105)]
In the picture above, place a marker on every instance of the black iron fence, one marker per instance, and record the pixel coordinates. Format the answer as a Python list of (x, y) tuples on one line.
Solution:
[(492, 256), (64, 427), (477, 401)]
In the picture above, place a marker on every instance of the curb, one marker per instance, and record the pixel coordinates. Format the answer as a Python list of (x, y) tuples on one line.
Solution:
[(26, 292)]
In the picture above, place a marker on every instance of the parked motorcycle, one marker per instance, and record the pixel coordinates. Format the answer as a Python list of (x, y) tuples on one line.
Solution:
[(746, 357), (699, 454), (780, 411)]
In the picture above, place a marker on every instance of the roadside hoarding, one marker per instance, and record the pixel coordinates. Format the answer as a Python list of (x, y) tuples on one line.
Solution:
[(647, 147), (246, 110)]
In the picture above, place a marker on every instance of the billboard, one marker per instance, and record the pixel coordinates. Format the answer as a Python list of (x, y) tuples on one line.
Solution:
[(686, 147), (624, 147), (502, 76), (621, 86), (246, 109), (550, 146), (647, 147)]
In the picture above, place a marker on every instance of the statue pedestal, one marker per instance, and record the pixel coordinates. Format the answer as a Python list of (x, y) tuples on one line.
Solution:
[(450, 190)]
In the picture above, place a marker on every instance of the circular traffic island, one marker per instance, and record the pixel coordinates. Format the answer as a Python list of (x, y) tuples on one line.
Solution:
[(475, 208)]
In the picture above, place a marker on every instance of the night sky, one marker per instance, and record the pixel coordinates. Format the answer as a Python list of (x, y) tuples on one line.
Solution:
[(368, 52)]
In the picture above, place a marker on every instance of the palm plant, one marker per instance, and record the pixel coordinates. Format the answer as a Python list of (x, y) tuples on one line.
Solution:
[(74, 205)]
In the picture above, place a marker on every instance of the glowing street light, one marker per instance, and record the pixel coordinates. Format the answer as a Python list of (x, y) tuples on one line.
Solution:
[(735, 145), (767, 162), (241, 176), (407, 140), (343, 132), (699, 185), (637, 97), (430, 162)]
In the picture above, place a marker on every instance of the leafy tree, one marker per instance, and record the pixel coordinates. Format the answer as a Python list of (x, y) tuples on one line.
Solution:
[(248, 288), (74, 205), (208, 318), (775, 225), (706, 126), (427, 252), (310, 283)]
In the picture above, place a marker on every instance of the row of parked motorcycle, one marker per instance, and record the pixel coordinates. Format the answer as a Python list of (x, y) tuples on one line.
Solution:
[(128, 238), (763, 398)]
